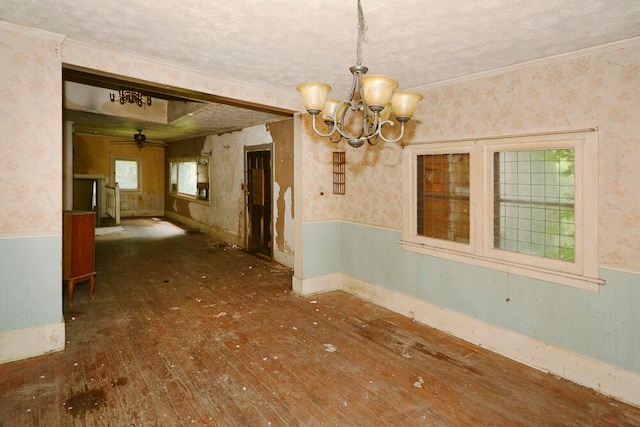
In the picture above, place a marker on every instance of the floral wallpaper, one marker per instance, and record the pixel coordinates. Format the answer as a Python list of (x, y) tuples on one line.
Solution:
[(599, 90), (31, 130)]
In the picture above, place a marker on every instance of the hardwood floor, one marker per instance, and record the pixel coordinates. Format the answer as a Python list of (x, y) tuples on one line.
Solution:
[(186, 331)]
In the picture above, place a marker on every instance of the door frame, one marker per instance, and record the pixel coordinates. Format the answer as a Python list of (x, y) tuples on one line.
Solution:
[(249, 149)]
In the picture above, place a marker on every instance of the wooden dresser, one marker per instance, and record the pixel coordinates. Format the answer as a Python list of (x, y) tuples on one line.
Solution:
[(78, 259)]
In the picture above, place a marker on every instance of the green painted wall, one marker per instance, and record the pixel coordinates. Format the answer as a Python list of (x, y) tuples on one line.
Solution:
[(31, 282), (321, 247)]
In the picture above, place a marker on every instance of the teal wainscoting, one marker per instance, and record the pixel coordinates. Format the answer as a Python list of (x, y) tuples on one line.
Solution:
[(603, 326), (30, 282), (321, 247)]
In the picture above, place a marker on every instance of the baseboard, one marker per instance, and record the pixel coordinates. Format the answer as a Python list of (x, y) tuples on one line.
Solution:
[(604, 378), (283, 258), (31, 342), (212, 231), (314, 285), (141, 213)]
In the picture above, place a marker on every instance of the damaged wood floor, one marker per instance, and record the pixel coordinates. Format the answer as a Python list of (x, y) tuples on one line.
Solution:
[(186, 331)]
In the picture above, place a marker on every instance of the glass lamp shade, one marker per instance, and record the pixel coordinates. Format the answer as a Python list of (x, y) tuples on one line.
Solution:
[(404, 104), (377, 90), (384, 114), (331, 110), (314, 95)]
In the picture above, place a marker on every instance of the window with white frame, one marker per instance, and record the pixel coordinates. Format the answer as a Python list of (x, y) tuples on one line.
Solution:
[(527, 205), (126, 173)]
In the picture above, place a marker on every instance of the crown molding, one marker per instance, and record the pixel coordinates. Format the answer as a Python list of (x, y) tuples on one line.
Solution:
[(32, 31), (550, 60)]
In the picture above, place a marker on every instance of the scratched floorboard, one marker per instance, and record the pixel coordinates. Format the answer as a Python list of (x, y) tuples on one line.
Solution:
[(187, 331)]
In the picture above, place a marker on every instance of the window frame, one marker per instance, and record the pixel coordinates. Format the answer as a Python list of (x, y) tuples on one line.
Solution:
[(200, 162), (583, 273), (410, 226), (138, 160)]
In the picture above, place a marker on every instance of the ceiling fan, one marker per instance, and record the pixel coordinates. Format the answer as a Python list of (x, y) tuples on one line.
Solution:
[(141, 140)]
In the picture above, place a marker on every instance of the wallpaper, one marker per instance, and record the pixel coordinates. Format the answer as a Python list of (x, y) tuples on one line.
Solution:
[(30, 133), (599, 90)]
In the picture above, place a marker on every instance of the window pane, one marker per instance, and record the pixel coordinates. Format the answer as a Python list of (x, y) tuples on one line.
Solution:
[(534, 208), (443, 196), (174, 176), (127, 174), (187, 176)]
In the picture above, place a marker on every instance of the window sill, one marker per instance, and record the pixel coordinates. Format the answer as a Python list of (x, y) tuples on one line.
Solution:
[(576, 281), (190, 199)]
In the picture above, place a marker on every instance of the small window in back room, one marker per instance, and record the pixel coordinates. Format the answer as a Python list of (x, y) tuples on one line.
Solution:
[(189, 177), (127, 173)]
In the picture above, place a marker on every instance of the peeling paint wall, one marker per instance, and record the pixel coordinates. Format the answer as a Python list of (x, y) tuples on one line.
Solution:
[(223, 216), (283, 214), (92, 156)]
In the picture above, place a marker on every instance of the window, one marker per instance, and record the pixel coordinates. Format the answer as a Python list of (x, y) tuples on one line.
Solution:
[(525, 204), (190, 177), (127, 173), (534, 202), (442, 196), (187, 175)]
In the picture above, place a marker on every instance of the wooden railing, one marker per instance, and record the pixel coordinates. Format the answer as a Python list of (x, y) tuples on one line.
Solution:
[(113, 202)]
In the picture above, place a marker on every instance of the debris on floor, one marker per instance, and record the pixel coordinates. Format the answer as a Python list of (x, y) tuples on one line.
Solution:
[(330, 348)]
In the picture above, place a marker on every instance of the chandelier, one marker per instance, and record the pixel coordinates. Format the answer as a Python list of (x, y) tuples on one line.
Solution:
[(131, 96), (372, 99)]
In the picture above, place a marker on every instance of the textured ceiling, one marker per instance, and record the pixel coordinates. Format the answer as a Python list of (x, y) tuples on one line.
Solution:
[(276, 44)]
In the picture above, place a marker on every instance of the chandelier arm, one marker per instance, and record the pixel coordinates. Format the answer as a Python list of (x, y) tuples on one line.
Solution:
[(339, 124), (335, 141), (315, 128), (370, 124), (355, 85), (379, 132)]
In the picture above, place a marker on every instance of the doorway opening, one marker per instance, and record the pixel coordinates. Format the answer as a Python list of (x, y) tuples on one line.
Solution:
[(258, 191)]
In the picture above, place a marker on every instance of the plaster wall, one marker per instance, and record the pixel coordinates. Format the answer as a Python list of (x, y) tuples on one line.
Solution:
[(93, 156)]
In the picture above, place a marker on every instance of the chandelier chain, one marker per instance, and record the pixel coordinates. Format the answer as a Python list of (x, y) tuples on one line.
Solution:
[(362, 27)]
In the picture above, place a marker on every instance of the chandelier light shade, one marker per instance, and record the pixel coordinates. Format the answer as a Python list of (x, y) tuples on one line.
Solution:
[(373, 98), (377, 91), (314, 95), (404, 104)]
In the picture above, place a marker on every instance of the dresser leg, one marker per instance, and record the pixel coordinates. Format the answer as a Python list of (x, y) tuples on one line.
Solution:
[(70, 287), (93, 285)]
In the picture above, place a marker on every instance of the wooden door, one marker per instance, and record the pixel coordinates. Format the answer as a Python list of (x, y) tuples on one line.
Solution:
[(259, 194)]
